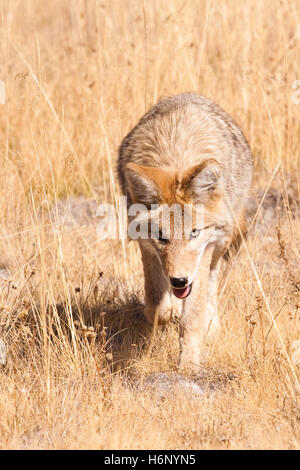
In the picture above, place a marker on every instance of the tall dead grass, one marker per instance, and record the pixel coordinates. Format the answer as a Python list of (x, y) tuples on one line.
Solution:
[(78, 76)]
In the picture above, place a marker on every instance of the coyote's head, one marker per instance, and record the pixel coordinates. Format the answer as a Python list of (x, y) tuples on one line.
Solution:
[(185, 212)]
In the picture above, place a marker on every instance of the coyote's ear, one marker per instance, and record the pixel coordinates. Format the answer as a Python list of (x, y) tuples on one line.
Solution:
[(143, 183), (202, 181)]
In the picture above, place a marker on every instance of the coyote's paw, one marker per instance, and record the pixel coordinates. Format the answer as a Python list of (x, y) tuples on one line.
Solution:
[(192, 360)]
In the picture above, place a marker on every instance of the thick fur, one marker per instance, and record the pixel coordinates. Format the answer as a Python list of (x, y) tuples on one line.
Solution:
[(187, 150)]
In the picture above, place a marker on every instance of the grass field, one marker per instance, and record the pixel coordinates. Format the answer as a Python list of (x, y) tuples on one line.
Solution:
[(83, 368)]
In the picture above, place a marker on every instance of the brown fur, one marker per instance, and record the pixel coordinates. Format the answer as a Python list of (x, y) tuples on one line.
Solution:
[(187, 150)]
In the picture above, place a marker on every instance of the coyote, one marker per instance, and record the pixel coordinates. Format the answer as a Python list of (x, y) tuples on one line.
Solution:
[(187, 151)]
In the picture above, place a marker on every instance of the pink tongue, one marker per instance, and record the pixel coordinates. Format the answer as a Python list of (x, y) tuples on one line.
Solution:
[(182, 293)]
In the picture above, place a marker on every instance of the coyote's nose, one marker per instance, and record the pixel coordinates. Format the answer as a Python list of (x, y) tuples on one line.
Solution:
[(178, 282)]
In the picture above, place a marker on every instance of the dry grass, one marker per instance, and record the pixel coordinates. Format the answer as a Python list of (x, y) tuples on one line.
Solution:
[(78, 76)]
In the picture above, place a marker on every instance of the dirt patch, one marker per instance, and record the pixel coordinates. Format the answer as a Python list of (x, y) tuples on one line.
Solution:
[(74, 212), (273, 208), (166, 384)]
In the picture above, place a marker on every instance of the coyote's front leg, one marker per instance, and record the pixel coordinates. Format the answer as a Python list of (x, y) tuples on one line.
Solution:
[(199, 318), (159, 306)]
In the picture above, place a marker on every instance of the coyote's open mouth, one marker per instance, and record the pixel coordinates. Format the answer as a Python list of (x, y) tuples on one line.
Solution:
[(183, 292)]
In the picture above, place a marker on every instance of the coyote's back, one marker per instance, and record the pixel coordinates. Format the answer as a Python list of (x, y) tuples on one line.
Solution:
[(185, 130)]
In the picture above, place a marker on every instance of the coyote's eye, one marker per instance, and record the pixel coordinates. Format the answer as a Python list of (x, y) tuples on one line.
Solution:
[(161, 238), (194, 233)]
